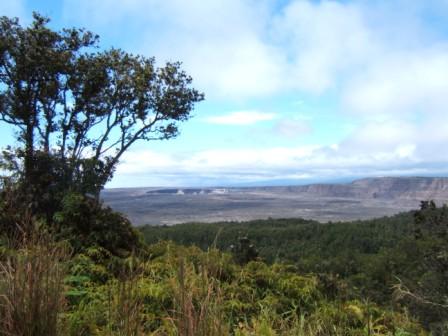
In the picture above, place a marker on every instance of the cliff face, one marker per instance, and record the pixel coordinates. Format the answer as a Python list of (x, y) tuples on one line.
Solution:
[(383, 187)]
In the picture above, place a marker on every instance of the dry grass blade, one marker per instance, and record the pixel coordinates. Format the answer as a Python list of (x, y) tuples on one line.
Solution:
[(31, 288)]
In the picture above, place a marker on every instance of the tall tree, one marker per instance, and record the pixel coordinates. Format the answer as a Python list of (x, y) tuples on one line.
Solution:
[(77, 109), (427, 294)]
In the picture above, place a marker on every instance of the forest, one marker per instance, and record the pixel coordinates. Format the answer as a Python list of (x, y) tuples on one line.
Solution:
[(391, 261), (71, 266)]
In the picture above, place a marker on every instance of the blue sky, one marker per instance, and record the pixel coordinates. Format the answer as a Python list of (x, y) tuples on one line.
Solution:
[(295, 90)]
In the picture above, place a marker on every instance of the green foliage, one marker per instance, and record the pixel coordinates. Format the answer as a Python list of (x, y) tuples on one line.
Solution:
[(177, 290), (426, 293), (291, 239), (244, 251), (369, 254), (184, 291), (389, 261), (85, 223)]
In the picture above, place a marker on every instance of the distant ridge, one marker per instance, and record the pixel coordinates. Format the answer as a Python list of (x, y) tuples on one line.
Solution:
[(360, 199), (381, 187)]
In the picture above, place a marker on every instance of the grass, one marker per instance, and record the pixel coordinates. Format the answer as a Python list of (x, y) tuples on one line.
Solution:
[(31, 287), (125, 303), (198, 303)]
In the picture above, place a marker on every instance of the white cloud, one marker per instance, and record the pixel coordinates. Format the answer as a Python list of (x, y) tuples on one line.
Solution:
[(401, 84), (292, 128), (380, 136), (249, 164), (241, 118), (221, 44), (255, 160), (405, 151), (322, 41)]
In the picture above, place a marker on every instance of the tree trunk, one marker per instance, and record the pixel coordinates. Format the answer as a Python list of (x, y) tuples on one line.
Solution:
[(29, 154)]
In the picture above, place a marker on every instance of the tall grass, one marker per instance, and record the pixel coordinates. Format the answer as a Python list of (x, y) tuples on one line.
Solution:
[(198, 302), (31, 286), (125, 303)]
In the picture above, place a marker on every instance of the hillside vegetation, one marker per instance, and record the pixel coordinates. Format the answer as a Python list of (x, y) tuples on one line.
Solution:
[(381, 277), (386, 260), (167, 289)]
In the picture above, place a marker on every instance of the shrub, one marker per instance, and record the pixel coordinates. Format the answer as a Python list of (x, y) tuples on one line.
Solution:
[(86, 223)]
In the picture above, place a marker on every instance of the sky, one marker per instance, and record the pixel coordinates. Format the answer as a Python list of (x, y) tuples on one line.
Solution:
[(296, 91)]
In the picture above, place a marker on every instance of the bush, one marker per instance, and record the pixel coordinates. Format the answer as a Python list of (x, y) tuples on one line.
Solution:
[(86, 223)]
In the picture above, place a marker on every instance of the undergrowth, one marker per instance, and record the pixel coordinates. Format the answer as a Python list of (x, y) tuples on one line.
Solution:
[(174, 290)]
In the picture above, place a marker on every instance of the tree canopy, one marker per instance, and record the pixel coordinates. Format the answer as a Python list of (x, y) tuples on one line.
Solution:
[(76, 108)]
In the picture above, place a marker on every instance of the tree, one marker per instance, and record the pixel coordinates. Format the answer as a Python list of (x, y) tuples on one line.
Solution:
[(76, 109), (244, 251), (427, 296)]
